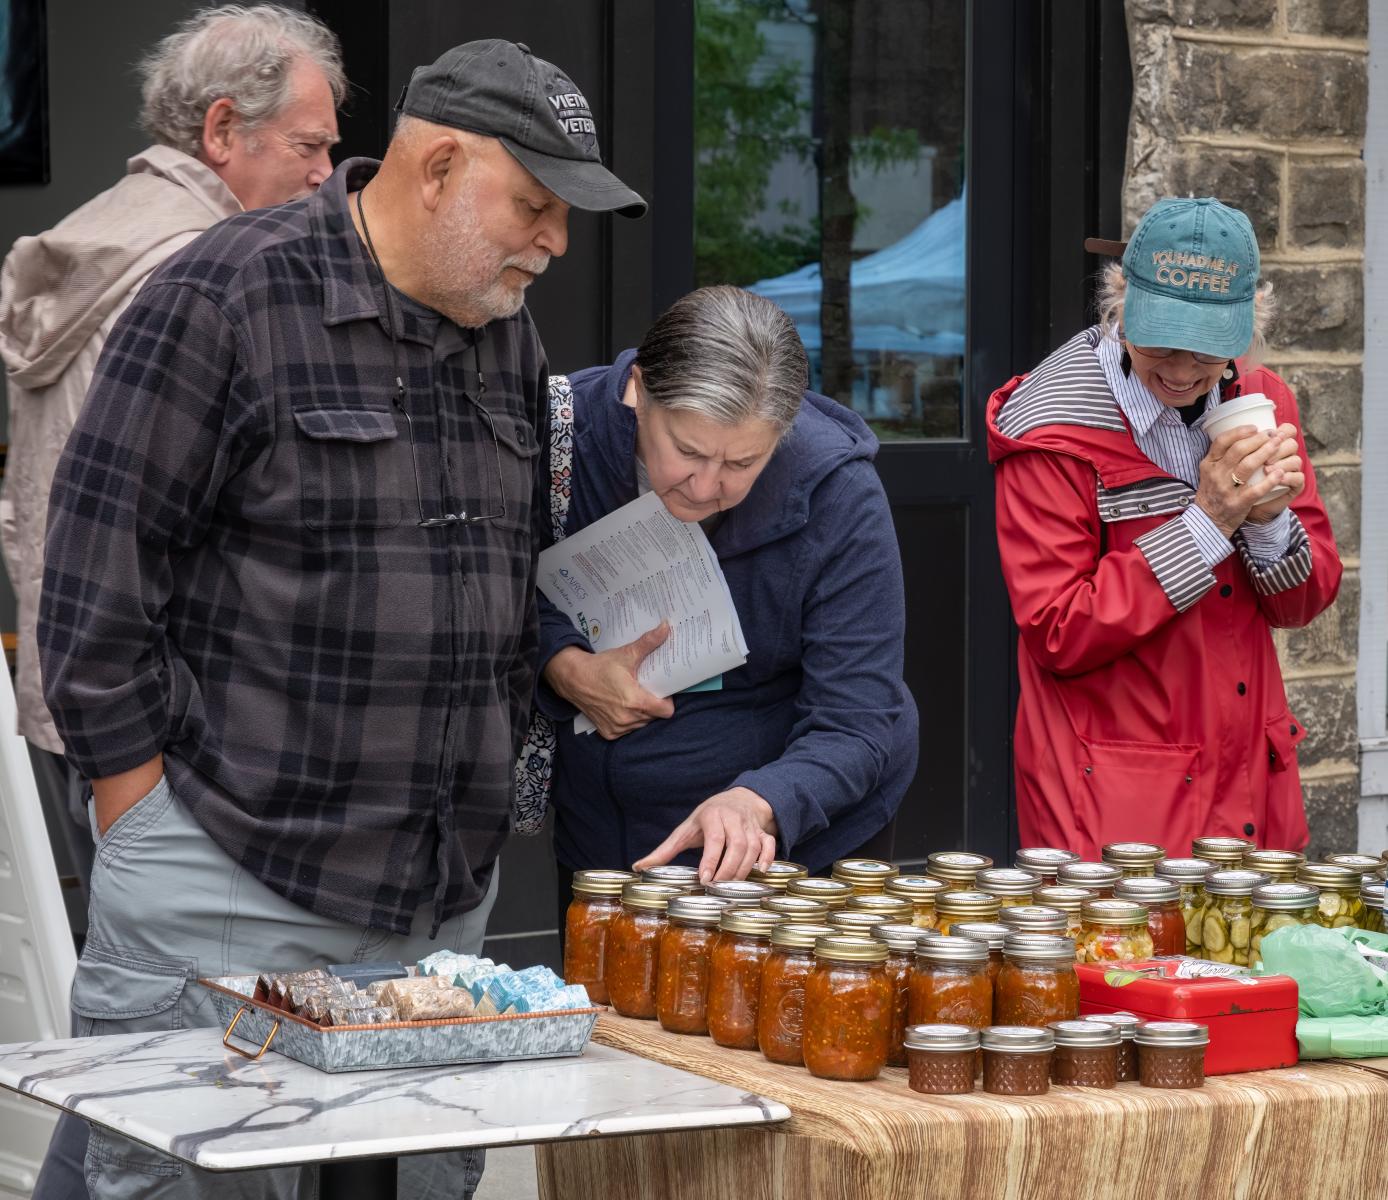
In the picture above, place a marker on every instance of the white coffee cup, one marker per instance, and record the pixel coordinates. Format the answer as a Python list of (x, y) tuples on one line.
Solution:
[(1253, 409)]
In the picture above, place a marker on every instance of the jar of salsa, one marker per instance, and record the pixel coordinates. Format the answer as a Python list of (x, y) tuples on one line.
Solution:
[(832, 892), (681, 994), (739, 893), (633, 948), (1171, 1054), (1011, 885), (675, 875), (778, 874), (1372, 895), (797, 908), (854, 920), (950, 984), (1086, 1054), (1227, 928), (942, 1059), (921, 891), (1189, 874), (1068, 900), (866, 876), (1164, 920), (1222, 851), (848, 1008), (992, 934), (957, 869), (1341, 903), (1276, 906), (952, 907), (1037, 983), (1099, 878), (1044, 862), (887, 908), (1126, 1023), (1017, 1060), (1134, 859), (1114, 931), (734, 984), (781, 1004), (901, 942), (1035, 918), (597, 899), (1280, 866)]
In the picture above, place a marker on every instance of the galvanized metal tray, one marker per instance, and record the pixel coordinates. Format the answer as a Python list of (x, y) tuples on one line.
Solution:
[(396, 1044)]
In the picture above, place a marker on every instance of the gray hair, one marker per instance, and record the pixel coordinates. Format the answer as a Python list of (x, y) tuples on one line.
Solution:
[(727, 355), (243, 53)]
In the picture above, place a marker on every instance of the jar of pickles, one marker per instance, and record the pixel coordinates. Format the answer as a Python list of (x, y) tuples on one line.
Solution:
[(797, 908), (597, 899), (1341, 903), (1037, 983), (781, 1004), (921, 891), (1034, 918), (1068, 901), (1224, 852), (1114, 931), (901, 941), (1276, 906), (866, 876), (887, 908), (950, 983), (1043, 862), (778, 874), (739, 893), (1171, 1054), (1134, 859), (1011, 885), (831, 892), (684, 878), (1017, 1060), (1228, 925), (848, 1007), (1280, 866), (633, 948), (1126, 1023), (1164, 919), (854, 920), (1099, 878), (957, 869), (734, 982), (1372, 895), (681, 994), (1086, 1054), (991, 934), (1189, 874), (942, 1059), (952, 907)]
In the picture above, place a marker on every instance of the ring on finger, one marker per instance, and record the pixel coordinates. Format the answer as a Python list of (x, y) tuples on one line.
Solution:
[(1235, 480)]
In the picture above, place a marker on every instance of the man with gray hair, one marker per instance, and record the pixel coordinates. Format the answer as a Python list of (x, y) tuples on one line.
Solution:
[(288, 624)]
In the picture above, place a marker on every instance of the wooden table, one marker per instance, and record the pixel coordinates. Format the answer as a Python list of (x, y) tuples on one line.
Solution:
[(1317, 1130)]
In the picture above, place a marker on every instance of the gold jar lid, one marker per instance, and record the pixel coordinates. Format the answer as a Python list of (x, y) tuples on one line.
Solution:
[(701, 911), (919, 889), (601, 883), (777, 874), (1007, 881), (1222, 849), (1328, 875), (1186, 870), (956, 866), (1044, 860), (741, 892), (1363, 863), (1113, 912), (856, 919), (673, 874), (1036, 918), (952, 950), (889, 908), (968, 906), (1242, 883), (797, 908), (863, 870), (754, 922), (850, 949), (1285, 897), (832, 892), (1280, 864), (898, 936), (654, 897), (1062, 896), (990, 934), (1132, 854), (798, 935), (1089, 874)]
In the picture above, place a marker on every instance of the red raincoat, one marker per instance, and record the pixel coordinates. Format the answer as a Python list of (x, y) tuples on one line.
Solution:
[(1152, 705)]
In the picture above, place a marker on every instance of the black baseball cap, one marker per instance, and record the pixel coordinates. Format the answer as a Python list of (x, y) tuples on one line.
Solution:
[(499, 89)]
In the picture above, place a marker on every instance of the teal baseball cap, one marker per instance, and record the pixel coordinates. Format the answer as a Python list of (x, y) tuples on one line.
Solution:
[(1192, 271)]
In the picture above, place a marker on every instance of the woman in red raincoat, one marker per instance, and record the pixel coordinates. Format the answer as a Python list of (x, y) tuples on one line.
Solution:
[(1148, 564)]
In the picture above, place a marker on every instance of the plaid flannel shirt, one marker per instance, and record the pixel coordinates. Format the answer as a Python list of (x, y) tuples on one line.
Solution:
[(235, 574)]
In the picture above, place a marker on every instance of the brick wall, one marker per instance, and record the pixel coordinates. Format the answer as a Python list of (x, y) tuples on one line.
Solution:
[(1262, 103)]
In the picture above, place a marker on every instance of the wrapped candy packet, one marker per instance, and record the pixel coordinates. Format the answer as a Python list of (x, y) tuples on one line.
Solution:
[(372, 1014), (281, 983), (434, 1005), (392, 990)]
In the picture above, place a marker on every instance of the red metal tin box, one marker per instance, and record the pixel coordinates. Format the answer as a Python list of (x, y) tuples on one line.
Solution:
[(1252, 1021)]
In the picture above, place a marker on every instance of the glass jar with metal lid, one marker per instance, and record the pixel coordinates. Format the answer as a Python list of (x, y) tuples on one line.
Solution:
[(1035, 918), (942, 1059), (1134, 859), (866, 876), (957, 869), (854, 920), (1341, 901), (776, 875), (682, 972), (848, 1007), (832, 892), (1372, 895), (1099, 878), (597, 899), (1086, 1054), (950, 983), (1043, 861), (1228, 925), (1068, 900), (739, 893), (1011, 885), (1126, 1023), (1365, 864), (633, 948), (797, 908), (1280, 866), (686, 878), (1165, 921), (734, 981), (1225, 851), (921, 891), (991, 933), (901, 941), (1037, 983), (781, 1004), (1114, 931), (1017, 1060), (1189, 874), (1171, 1054), (888, 908), (954, 906), (1275, 906)]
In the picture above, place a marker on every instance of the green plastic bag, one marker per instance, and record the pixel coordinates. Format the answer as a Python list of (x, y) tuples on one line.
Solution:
[(1333, 978), (1342, 1037)]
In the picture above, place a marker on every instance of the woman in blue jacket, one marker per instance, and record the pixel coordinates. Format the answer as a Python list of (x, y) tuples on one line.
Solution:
[(810, 746)]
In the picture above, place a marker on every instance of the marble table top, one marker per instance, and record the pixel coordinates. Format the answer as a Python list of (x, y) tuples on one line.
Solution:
[(185, 1094)]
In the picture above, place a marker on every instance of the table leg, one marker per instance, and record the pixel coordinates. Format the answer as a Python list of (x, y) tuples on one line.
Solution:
[(357, 1179)]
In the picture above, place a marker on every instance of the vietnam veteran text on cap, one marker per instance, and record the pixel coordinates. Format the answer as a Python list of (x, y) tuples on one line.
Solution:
[(499, 89), (1192, 271)]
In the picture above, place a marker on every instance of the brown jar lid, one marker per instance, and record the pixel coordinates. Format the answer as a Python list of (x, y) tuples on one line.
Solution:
[(1285, 897), (851, 949), (1018, 1039), (1186, 870), (1242, 883), (1132, 854), (704, 911), (955, 866), (1046, 859), (1066, 898), (753, 922), (968, 906), (798, 935), (1113, 912), (601, 883), (652, 896), (1085, 1033), (1147, 889), (919, 889), (741, 892), (1034, 918), (941, 1038), (797, 908), (899, 936), (889, 908), (1007, 881), (863, 870), (777, 874), (952, 950), (1089, 874), (990, 934), (1038, 947), (833, 892), (1172, 1033)]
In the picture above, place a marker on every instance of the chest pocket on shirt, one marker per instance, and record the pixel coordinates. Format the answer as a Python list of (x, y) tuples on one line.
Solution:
[(350, 468), (518, 451)]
